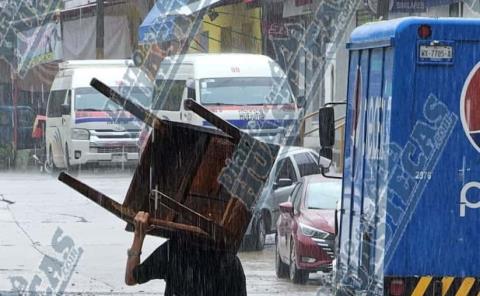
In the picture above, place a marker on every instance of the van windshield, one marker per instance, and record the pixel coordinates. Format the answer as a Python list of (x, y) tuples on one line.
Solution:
[(88, 99), (245, 91)]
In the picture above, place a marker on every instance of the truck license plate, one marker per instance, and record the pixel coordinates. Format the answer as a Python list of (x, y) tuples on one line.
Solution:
[(119, 157), (436, 52)]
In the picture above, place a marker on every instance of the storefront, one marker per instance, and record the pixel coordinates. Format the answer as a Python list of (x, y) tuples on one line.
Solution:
[(226, 26), (230, 28), (285, 24)]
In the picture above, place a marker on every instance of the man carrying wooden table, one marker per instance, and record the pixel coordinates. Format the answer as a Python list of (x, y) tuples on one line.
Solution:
[(187, 269)]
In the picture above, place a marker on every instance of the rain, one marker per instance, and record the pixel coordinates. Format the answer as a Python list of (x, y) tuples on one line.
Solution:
[(239, 147)]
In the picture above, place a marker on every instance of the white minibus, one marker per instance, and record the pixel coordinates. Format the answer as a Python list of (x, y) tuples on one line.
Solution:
[(250, 91), (83, 126)]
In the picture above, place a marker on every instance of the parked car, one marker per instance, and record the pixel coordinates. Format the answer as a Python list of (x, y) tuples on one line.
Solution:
[(292, 164), (16, 125), (306, 228)]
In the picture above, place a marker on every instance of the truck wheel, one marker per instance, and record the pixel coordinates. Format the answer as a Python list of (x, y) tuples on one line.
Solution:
[(260, 234), (281, 269), (297, 276)]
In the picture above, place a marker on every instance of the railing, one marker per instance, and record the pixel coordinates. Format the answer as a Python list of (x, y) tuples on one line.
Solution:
[(339, 126), (339, 122)]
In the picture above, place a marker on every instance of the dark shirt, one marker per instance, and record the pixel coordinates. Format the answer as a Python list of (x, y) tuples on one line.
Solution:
[(189, 270)]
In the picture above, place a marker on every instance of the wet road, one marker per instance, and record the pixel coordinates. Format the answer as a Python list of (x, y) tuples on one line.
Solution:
[(41, 219)]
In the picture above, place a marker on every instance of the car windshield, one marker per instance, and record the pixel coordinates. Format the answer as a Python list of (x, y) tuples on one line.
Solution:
[(88, 99), (245, 91), (323, 195)]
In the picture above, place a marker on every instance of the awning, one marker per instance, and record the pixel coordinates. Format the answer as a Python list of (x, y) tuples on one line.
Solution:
[(166, 15)]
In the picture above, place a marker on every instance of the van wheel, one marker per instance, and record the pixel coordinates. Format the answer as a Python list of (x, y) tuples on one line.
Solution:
[(50, 163)]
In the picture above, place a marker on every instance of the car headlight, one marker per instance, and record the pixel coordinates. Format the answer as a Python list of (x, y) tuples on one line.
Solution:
[(80, 134), (310, 231)]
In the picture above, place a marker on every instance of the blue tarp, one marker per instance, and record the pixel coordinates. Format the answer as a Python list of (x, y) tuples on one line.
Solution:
[(167, 16)]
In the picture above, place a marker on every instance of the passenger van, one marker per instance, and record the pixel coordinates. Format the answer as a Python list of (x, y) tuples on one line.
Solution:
[(83, 126), (250, 91)]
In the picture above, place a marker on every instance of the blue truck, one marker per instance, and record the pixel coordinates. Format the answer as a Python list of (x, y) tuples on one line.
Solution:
[(409, 218)]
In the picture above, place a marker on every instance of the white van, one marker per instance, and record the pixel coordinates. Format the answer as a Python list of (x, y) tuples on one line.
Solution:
[(83, 126), (250, 91)]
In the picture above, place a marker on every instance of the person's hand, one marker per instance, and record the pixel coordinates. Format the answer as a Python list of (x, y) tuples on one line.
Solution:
[(141, 224)]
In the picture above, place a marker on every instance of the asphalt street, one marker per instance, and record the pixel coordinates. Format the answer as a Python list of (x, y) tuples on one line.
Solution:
[(54, 239)]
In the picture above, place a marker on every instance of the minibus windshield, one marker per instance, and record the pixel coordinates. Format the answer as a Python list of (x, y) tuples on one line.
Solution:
[(88, 99), (245, 91)]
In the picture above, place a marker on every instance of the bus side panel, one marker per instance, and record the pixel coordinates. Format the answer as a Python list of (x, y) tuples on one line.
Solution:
[(371, 156), (359, 138), (344, 235), (437, 239), (355, 137), (403, 117), (384, 160)]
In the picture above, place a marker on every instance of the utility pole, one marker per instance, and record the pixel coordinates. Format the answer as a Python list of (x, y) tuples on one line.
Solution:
[(100, 30)]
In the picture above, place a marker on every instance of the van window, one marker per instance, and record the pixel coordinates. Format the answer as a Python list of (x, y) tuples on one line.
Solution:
[(68, 101), (88, 99), (286, 170), (245, 91), (307, 165), (57, 98), (297, 198), (168, 94)]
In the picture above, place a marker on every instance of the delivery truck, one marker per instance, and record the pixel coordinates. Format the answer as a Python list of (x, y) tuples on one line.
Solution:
[(409, 217)]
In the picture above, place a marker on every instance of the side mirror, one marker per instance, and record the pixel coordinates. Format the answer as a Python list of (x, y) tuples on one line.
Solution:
[(286, 207), (301, 101), (326, 122), (283, 182), (325, 162), (191, 89), (65, 109)]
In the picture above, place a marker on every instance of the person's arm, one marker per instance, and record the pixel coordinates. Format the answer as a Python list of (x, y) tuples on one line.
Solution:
[(141, 228)]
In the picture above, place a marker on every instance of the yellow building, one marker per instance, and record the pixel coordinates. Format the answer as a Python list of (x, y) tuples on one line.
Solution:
[(230, 28)]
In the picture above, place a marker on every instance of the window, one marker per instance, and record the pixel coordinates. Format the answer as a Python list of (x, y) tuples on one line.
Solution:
[(247, 38), (6, 118), (294, 192), (297, 198), (68, 101), (88, 99), (57, 98), (307, 165), (168, 94), (245, 91), (286, 170), (6, 126), (200, 43), (25, 117), (226, 35)]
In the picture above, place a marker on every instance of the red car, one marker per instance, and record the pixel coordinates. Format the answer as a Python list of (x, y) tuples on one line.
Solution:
[(306, 228)]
